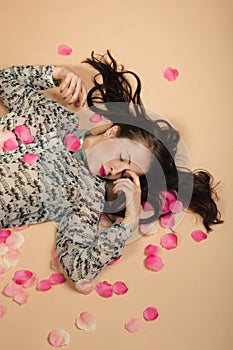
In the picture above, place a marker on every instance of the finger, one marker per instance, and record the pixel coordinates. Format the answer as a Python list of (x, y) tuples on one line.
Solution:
[(77, 91), (72, 88), (84, 93), (134, 176), (65, 83)]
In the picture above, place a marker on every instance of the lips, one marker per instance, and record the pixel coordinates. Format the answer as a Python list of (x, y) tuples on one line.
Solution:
[(102, 171)]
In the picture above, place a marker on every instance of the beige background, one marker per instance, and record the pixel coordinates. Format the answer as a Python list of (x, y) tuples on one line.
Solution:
[(194, 292)]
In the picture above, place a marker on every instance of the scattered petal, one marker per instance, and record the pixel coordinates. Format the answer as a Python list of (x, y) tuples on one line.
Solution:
[(44, 285), (11, 258), (59, 337), (10, 144), (15, 241), (3, 268), (96, 118), (147, 206), (86, 321), (150, 313), (132, 325), (104, 289), (30, 158), (2, 311), (176, 206), (119, 288), (114, 261), (20, 228), (3, 235), (84, 286), (12, 289), (167, 220), (170, 74), (154, 262), (21, 297), (148, 229), (24, 278), (64, 50), (72, 142), (3, 248), (152, 249), (169, 241), (23, 133), (57, 278), (198, 235)]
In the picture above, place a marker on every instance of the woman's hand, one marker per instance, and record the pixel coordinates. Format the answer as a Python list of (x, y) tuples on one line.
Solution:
[(132, 191), (73, 85)]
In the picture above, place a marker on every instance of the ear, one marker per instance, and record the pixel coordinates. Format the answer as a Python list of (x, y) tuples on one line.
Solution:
[(113, 130)]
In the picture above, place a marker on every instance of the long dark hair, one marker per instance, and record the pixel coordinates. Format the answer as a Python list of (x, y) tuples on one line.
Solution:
[(198, 192)]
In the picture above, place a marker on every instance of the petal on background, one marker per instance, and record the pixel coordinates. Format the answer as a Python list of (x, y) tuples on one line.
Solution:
[(147, 206), (132, 325), (12, 289), (176, 206), (15, 241), (11, 258), (84, 287), (148, 229), (30, 158), (3, 268), (3, 235), (10, 144), (30, 282), (22, 276), (86, 321), (64, 50), (114, 261), (23, 133), (21, 297), (169, 241), (150, 313), (59, 337), (3, 248), (152, 249), (72, 142), (119, 288), (167, 221), (170, 73), (44, 285), (198, 235), (2, 311), (20, 228), (154, 262), (96, 118), (104, 289), (57, 278)]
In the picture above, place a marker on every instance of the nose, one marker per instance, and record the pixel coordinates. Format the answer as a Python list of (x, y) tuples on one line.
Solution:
[(117, 168)]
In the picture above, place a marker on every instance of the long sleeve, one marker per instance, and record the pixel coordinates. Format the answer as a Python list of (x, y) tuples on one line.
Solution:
[(84, 253), (17, 82)]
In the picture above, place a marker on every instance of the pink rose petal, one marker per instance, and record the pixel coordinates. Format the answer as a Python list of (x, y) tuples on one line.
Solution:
[(147, 206), (64, 50), (86, 321), (148, 229), (10, 145), (3, 235), (170, 74), (154, 262), (3, 248), (176, 206), (21, 297), (59, 337), (15, 241), (12, 289), (114, 261), (104, 289), (167, 220), (30, 158), (72, 142), (169, 241), (2, 311), (96, 118), (57, 278), (150, 313), (132, 325), (44, 285), (119, 288), (3, 268), (84, 287), (24, 278), (20, 228), (11, 258), (198, 235), (152, 249), (23, 133)]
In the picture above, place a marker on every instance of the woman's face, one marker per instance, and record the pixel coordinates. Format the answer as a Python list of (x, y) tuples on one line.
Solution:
[(111, 157)]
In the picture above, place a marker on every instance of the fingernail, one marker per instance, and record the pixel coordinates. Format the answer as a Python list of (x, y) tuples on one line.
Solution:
[(70, 103), (64, 98), (61, 90), (83, 104)]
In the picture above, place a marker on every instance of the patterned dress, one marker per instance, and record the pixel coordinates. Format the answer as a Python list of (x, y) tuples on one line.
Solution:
[(59, 186)]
